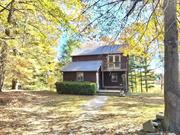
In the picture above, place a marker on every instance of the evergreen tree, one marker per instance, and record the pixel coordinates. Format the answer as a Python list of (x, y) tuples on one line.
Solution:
[(67, 49)]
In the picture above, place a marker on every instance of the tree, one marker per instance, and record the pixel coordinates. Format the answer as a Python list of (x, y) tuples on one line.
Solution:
[(31, 28), (171, 88), (142, 52), (171, 74), (3, 57), (140, 75), (133, 75), (67, 49)]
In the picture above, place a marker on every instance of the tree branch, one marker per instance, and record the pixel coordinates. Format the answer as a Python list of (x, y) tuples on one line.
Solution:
[(6, 7)]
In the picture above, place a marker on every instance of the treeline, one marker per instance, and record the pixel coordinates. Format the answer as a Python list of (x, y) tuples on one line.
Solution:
[(30, 31), (141, 77)]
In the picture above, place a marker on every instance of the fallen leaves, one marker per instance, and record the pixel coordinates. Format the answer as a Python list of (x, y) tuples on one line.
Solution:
[(43, 112)]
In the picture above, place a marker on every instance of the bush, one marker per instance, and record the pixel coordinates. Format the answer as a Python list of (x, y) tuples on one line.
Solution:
[(80, 88)]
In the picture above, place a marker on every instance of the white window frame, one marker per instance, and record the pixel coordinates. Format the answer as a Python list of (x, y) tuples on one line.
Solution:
[(80, 76), (116, 76), (118, 61), (109, 67), (114, 67)]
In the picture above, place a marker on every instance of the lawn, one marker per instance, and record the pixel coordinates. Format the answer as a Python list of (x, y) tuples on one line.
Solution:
[(43, 112)]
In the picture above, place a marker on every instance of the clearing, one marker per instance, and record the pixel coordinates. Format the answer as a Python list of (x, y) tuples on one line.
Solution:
[(47, 113)]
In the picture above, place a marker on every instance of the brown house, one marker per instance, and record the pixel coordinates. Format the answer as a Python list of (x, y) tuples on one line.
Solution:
[(104, 65)]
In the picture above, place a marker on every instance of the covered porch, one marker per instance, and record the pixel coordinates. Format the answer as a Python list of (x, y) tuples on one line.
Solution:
[(113, 81)]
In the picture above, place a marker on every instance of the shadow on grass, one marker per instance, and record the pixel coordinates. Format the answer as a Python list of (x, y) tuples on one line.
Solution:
[(47, 112)]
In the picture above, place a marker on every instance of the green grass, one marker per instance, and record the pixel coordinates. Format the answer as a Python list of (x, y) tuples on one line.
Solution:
[(154, 90)]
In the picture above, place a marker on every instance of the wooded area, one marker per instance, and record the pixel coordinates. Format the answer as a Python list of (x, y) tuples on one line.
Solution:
[(31, 31)]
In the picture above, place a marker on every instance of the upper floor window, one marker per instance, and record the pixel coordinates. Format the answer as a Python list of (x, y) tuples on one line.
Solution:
[(114, 61), (80, 76)]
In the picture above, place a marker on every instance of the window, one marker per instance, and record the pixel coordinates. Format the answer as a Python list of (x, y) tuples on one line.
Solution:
[(117, 61), (80, 76), (110, 61), (114, 77), (114, 61), (111, 58)]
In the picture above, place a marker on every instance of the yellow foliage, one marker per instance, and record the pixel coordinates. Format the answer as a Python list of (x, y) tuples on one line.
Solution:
[(34, 31)]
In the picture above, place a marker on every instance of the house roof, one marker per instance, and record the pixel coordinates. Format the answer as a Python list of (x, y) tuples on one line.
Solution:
[(108, 49), (82, 66)]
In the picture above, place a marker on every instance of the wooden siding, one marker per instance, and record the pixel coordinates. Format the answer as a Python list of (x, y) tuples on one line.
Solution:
[(90, 76), (124, 59), (71, 76), (88, 58)]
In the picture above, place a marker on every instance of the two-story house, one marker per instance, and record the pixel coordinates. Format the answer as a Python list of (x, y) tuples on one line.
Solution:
[(104, 65)]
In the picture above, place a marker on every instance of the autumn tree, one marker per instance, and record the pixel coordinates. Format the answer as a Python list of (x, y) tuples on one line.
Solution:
[(29, 33), (142, 52), (119, 12)]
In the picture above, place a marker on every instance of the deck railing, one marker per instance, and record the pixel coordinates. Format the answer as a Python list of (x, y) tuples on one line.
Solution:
[(115, 66)]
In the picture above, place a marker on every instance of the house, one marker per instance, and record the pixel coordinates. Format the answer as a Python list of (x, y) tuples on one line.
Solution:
[(104, 65)]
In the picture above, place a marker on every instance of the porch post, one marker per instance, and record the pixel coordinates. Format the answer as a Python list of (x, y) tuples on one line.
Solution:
[(102, 79), (97, 80)]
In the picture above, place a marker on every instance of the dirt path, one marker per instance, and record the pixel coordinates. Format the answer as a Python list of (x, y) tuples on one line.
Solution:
[(91, 108), (84, 123), (95, 103)]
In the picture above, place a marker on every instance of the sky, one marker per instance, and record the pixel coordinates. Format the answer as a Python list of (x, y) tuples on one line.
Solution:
[(104, 26), (62, 41)]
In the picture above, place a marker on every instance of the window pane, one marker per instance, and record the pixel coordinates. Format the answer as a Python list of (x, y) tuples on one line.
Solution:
[(117, 64), (117, 58), (80, 76), (110, 59), (111, 65)]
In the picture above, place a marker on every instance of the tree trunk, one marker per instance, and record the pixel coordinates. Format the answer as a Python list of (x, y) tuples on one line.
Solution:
[(171, 78), (15, 84), (4, 48), (131, 77), (3, 57), (145, 74), (135, 80), (132, 84), (141, 81)]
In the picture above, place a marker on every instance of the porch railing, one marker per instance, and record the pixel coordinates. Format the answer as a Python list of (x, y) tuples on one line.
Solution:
[(115, 66)]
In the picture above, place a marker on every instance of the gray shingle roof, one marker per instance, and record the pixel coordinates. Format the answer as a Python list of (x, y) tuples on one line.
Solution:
[(108, 49), (82, 66)]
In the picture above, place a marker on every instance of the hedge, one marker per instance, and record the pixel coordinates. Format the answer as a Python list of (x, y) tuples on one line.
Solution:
[(79, 88)]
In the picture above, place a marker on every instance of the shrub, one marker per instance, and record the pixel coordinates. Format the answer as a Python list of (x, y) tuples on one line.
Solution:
[(80, 88)]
